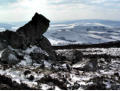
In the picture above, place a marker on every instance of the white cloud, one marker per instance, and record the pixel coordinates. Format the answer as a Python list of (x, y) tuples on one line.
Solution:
[(98, 1), (23, 10)]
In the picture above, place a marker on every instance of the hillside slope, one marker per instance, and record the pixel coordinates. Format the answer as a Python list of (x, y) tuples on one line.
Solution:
[(28, 61)]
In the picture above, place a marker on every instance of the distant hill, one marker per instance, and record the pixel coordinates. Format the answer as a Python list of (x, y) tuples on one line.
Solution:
[(110, 22), (6, 26), (84, 32), (106, 22), (19, 23)]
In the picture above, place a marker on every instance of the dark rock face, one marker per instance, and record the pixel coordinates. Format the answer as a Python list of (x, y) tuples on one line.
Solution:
[(46, 45), (92, 65), (28, 35), (9, 57), (7, 84), (33, 30), (72, 56)]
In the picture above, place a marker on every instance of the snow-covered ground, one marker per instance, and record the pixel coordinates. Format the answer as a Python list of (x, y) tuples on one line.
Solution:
[(86, 73), (82, 33), (95, 71)]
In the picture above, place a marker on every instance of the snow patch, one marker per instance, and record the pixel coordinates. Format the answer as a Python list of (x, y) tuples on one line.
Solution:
[(12, 57)]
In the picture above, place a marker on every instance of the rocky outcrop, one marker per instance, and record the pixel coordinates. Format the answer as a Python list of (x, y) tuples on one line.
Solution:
[(26, 36), (32, 31), (27, 61), (9, 57)]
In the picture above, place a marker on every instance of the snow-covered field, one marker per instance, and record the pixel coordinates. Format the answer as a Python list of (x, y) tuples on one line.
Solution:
[(86, 73), (82, 33)]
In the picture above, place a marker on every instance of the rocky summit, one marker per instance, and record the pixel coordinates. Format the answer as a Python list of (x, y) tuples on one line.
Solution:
[(26, 36), (29, 62)]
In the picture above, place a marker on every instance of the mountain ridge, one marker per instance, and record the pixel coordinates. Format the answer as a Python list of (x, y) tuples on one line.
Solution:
[(68, 21)]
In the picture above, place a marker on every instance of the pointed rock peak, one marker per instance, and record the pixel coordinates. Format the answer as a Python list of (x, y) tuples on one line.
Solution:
[(39, 17), (36, 14)]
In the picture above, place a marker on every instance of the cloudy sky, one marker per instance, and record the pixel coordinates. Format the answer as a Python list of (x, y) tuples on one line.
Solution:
[(59, 10)]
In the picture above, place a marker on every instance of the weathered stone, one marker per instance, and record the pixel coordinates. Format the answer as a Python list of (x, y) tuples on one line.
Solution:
[(33, 30), (2, 45), (92, 65), (4, 37), (9, 57), (29, 34), (38, 57), (11, 38), (44, 44)]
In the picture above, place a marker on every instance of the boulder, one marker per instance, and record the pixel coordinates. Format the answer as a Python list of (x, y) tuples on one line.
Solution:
[(91, 65), (3, 45), (33, 30), (38, 57), (44, 44), (28, 35), (9, 57)]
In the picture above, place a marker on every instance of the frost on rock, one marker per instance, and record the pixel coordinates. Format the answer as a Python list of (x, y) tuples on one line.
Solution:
[(35, 49), (1, 53), (17, 71), (12, 57), (47, 64), (28, 57), (27, 61)]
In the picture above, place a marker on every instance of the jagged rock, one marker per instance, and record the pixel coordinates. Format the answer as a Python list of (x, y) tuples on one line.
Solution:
[(11, 38), (6, 83), (30, 34), (9, 57), (77, 56), (4, 87), (31, 78), (33, 30), (39, 54), (2, 45), (91, 65), (4, 37), (37, 57), (46, 45), (27, 34), (27, 72), (73, 56)]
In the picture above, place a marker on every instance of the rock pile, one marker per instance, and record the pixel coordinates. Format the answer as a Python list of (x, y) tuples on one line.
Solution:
[(28, 61), (12, 44)]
